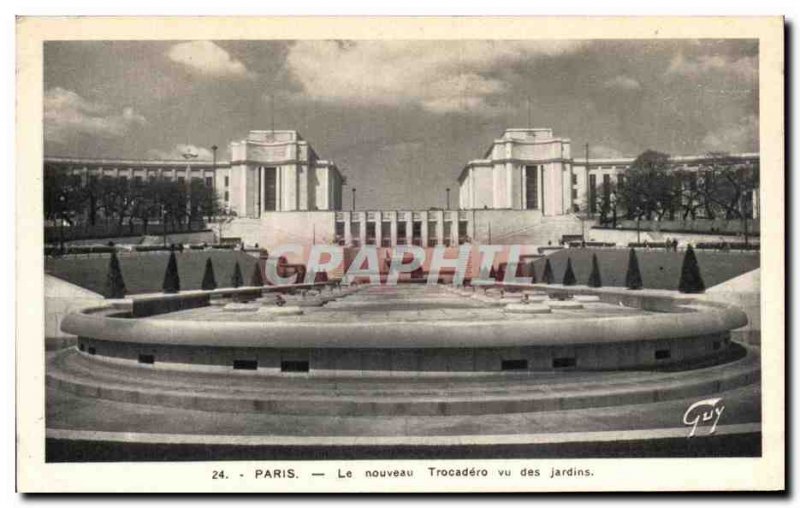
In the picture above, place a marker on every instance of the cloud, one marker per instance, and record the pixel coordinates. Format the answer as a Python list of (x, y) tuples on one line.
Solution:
[(738, 137), (743, 67), (208, 59), (67, 114), (438, 76), (623, 83), (177, 151)]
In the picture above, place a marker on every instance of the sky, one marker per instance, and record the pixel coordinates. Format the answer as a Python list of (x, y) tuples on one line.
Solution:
[(399, 118)]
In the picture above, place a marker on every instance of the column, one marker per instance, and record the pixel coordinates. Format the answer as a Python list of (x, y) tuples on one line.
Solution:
[(440, 228), (424, 231), (348, 236), (362, 229), (378, 228), (394, 230)]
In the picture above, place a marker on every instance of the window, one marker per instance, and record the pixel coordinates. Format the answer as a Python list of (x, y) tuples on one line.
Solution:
[(355, 232), (531, 187), (294, 366), (592, 193), (462, 232), (520, 364), (149, 359), (574, 179), (401, 233), (432, 234), (227, 180), (386, 234), (370, 233), (606, 186), (563, 362), (448, 232), (416, 232), (227, 197), (270, 190), (340, 233), (245, 364), (663, 354), (209, 181)]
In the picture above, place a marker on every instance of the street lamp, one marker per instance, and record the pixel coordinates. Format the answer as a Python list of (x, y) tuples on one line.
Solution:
[(354, 198), (448, 198)]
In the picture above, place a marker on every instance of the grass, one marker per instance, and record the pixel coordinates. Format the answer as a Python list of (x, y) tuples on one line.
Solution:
[(144, 272), (660, 269)]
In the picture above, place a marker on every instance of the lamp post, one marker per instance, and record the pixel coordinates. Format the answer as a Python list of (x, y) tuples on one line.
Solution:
[(354, 199), (448, 198), (214, 159)]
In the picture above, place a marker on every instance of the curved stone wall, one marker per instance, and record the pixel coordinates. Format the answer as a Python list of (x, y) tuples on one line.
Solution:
[(682, 331)]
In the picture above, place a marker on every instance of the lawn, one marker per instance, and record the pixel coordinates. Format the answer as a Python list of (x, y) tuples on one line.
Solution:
[(144, 272), (659, 269)]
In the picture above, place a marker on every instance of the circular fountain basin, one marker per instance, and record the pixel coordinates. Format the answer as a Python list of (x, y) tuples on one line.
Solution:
[(416, 330)]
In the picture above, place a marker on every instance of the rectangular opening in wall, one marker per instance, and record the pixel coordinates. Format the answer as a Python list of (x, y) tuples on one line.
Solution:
[(147, 359), (563, 362), (386, 233), (245, 364), (270, 189), (519, 364), (716, 345), (531, 187), (663, 354), (81, 347), (294, 366), (92, 351)]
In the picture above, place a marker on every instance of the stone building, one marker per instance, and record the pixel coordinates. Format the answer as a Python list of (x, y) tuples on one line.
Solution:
[(527, 189)]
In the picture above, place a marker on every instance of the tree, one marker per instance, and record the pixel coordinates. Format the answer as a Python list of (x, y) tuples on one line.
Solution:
[(209, 280), (633, 278), (691, 280), (547, 276), (726, 187), (594, 278), (236, 277), (63, 199), (569, 275), (115, 285), (147, 205), (257, 279), (172, 281), (649, 190)]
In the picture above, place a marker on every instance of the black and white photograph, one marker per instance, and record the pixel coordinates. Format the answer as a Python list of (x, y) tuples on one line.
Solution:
[(407, 261)]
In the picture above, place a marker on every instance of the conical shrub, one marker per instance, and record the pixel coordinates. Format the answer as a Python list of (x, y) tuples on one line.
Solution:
[(172, 282), (691, 280), (115, 284), (256, 279), (209, 280), (569, 275), (547, 276), (633, 278), (236, 277), (595, 281)]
